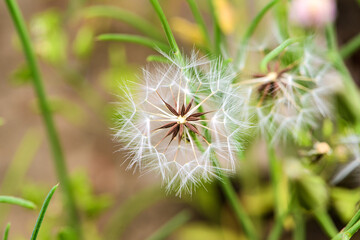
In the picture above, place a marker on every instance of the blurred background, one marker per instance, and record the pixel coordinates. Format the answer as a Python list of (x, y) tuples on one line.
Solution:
[(81, 76)]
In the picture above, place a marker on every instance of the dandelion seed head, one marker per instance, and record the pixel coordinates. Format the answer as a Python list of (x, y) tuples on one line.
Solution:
[(178, 120)]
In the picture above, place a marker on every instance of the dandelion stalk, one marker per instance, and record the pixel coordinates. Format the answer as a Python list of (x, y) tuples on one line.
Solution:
[(250, 31), (299, 229), (58, 157), (232, 197), (275, 172), (351, 92)]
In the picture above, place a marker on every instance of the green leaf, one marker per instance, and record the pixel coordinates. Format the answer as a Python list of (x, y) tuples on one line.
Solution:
[(17, 201), (6, 233), (42, 213)]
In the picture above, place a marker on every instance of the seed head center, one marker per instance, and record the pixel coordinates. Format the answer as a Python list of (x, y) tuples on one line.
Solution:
[(181, 119), (272, 76)]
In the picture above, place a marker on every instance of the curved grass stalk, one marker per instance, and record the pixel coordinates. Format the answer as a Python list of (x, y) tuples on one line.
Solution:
[(249, 32), (125, 16), (54, 141), (153, 44), (217, 30), (42, 213), (17, 201), (274, 53), (351, 47)]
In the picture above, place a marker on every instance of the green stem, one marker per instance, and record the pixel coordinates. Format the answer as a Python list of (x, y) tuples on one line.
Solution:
[(171, 226), (17, 201), (249, 32), (217, 30), (58, 157), (281, 15), (135, 39), (299, 229), (232, 197), (275, 172), (353, 220), (166, 26), (277, 230), (274, 53), (350, 47), (326, 222), (200, 21), (351, 93)]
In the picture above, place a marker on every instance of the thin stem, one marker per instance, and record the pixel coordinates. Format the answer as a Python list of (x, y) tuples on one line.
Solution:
[(281, 15), (274, 53), (217, 30), (200, 21), (299, 229), (166, 26), (353, 220), (232, 197), (249, 32), (57, 153), (351, 93), (351, 47), (17, 201), (326, 222), (172, 225), (277, 229), (275, 172), (151, 43)]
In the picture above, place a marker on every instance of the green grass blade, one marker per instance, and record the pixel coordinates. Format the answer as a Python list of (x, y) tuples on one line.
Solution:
[(351, 47), (135, 39), (17, 201), (179, 220), (125, 16), (200, 21), (166, 26), (6, 233), (42, 213)]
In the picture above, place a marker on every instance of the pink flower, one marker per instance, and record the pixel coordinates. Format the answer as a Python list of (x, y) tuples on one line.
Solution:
[(312, 13)]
